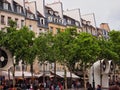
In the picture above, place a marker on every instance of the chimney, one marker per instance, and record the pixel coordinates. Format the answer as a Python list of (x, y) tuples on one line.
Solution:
[(105, 26)]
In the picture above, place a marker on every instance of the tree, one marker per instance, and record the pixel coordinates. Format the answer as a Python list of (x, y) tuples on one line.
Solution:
[(42, 50), (66, 47), (106, 52), (87, 52), (18, 43), (115, 40)]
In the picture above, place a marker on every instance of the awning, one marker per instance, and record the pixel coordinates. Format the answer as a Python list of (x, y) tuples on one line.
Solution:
[(26, 74), (5, 74), (18, 74), (61, 74), (41, 74)]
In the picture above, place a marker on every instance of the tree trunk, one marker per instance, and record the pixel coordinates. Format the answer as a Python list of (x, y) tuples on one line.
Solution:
[(55, 72), (65, 77), (70, 79), (100, 73), (84, 77), (31, 66), (43, 73), (9, 77), (13, 75)]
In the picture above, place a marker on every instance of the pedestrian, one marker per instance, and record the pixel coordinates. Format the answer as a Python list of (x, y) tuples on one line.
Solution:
[(90, 87), (98, 87), (114, 87)]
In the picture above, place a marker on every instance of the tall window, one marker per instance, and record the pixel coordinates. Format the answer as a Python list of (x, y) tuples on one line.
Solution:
[(30, 27), (51, 29), (2, 20), (1, 4), (42, 21), (22, 23), (9, 18), (6, 6), (16, 20)]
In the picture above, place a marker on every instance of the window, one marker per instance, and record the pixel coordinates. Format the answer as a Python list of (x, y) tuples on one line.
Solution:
[(2, 19), (50, 12), (56, 14), (16, 20), (50, 19), (18, 9), (40, 31), (69, 21), (51, 29), (22, 23), (30, 27), (9, 18), (6, 6), (55, 20), (1, 4), (17, 68), (42, 21)]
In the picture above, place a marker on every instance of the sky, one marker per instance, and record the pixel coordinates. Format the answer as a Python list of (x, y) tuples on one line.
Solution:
[(106, 11)]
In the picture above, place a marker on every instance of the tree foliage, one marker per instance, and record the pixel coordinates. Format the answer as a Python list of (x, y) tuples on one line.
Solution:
[(115, 40)]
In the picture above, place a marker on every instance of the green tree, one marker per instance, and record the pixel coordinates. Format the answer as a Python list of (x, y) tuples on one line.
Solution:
[(106, 52), (115, 40), (66, 47), (42, 50), (87, 52), (18, 42)]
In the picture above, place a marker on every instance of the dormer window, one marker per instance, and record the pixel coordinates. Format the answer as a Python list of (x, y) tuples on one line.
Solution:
[(77, 23), (17, 8), (56, 14), (50, 12), (6, 6), (50, 19), (84, 22), (88, 22), (55, 20), (42, 21), (69, 21), (60, 20), (30, 16), (1, 4)]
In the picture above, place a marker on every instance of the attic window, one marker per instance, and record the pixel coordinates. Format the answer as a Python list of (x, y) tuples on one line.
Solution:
[(51, 12), (56, 14)]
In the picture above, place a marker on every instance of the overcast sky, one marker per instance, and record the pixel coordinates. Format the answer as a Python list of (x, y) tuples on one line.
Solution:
[(106, 11)]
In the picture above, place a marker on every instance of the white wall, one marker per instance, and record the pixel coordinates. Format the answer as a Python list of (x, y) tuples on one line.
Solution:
[(74, 13), (57, 6)]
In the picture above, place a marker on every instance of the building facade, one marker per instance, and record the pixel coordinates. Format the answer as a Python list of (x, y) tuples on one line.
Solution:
[(41, 18)]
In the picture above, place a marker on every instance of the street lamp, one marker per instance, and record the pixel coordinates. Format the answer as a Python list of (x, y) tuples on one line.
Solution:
[(14, 62), (44, 71), (23, 69), (93, 77)]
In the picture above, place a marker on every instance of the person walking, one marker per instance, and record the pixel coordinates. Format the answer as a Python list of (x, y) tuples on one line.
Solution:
[(99, 87), (90, 87), (114, 87)]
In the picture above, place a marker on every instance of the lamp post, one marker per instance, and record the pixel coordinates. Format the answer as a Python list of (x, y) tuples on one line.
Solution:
[(9, 76), (14, 62), (23, 69), (44, 71), (93, 77), (1, 59)]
